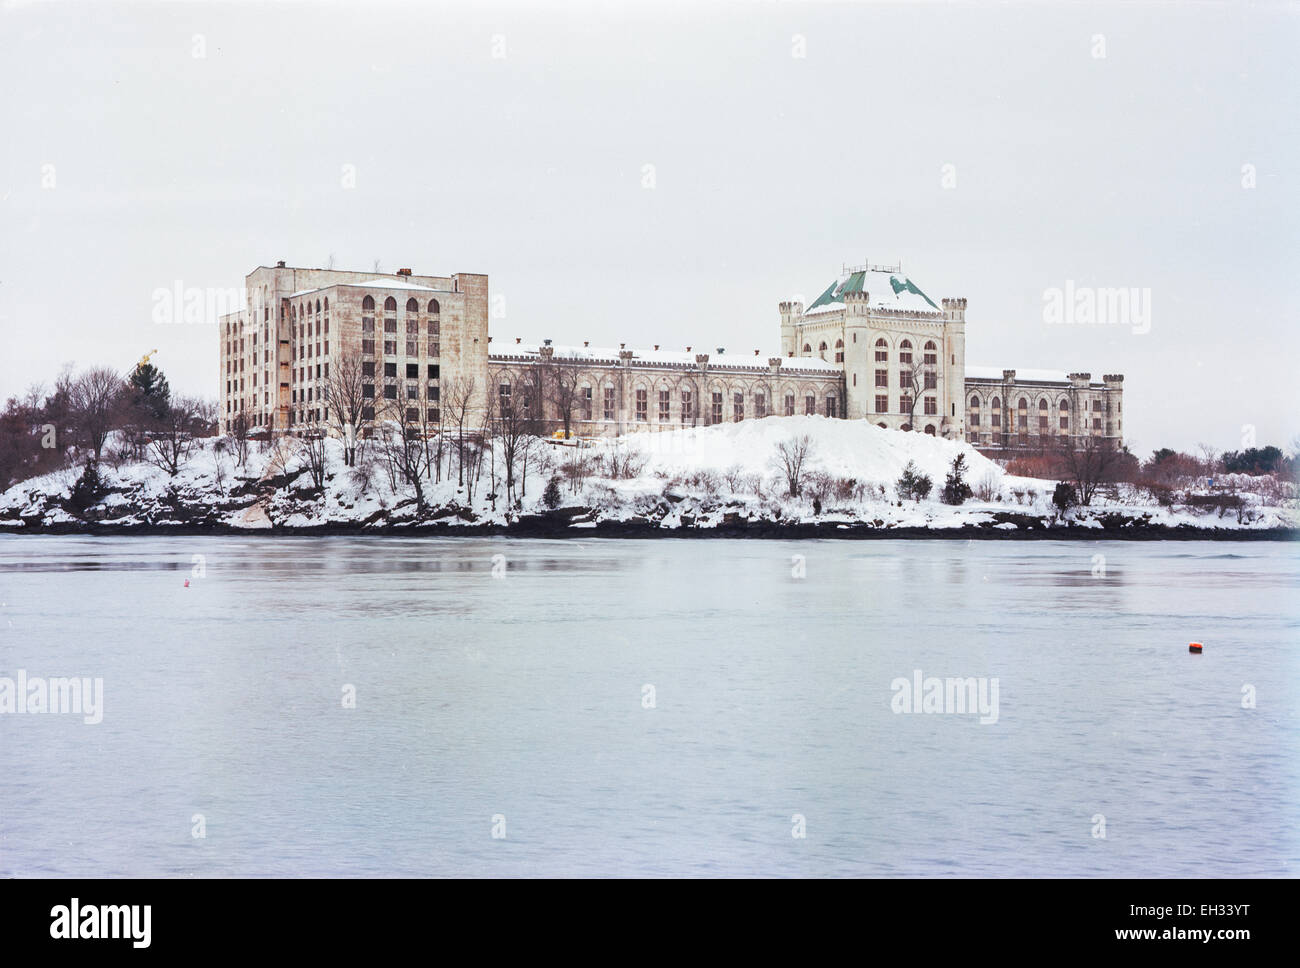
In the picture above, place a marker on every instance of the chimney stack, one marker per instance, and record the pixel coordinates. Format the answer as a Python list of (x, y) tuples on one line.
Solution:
[(403, 272)]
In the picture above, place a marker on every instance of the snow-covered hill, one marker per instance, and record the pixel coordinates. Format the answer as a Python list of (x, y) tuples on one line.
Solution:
[(726, 476)]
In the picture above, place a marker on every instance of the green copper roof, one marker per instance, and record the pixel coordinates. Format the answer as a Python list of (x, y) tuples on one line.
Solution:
[(857, 281)]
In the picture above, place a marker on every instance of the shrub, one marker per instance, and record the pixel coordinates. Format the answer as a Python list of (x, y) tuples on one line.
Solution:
[(551, 496), (1064, 497), (89, 487), (955, 488), (912, 483)]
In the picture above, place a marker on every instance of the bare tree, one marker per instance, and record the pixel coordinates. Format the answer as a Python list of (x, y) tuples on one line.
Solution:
[(95, 397), (1088, 462), (791, 455), (458, 398), (346, 402), (916, 387), (239, 438), (311, 447), (562, 392), (172, 438), (402, 447)]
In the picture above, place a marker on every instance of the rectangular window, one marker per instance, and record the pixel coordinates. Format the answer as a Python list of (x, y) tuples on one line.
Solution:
[(412, 414), (412, 324), (882, 356), (433, 371), (413, 371), (882, 403), (931, 380), (433, 348), (832, 407), (1042, 425), (715, 415), (435, 392), (1096, 423), (641, 405), (905, 379), (931, 406), (586, 403), (390, 369), (809, 405), (413, 391), (760, 405), (368, 368), (368, 413), (882, 378), (663, 405), (412, 347), (434, 415), (367, 324), (789, 404), (390, 326), (609, 403), (688, 406), (997, 419), (368, 391), (738, 407), (503, 398), (905, 403), (1065, 423), (390, 391), (390, 347), (433, 327), (975, 418)]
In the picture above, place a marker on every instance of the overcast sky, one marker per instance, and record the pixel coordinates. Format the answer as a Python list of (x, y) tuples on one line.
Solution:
[(785, 140)]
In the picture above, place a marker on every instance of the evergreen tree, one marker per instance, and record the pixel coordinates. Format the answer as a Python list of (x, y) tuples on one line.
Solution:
[(551, 496), (150, 391), (912, 483), (955, 488)]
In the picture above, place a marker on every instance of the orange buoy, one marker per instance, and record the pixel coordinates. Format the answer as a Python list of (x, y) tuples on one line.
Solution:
[(1194, 647)]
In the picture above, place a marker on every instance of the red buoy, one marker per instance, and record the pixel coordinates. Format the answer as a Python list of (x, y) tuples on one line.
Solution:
[(187, 585), (1194, 647)]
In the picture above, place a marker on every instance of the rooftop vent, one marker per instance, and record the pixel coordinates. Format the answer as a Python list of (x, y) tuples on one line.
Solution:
[(721, 350), (403, 272), (280, 264), (546, 342)]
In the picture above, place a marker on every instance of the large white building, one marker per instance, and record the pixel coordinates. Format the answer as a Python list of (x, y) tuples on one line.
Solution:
[(872, 346)]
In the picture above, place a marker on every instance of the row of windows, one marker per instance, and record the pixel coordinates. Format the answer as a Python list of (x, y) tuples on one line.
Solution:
[(641, 404), (930, 352), (390, 326), (390, 305)]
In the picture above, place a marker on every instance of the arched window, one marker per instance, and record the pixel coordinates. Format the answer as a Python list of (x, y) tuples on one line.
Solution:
[(905, 352), (368, 303), (931, 354), (327, 304), (839, 351), (318, 307), (1022, 404), (882, 351), (293, 314), (412, 306), (390, 305), (974, 403), (1042, 404), (1065, 405), (974, 418), (996, 403), (821, 350), (807, 349), (433, 307)]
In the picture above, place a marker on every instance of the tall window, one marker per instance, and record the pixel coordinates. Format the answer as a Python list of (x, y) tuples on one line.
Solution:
[(716, 408), (905, 353), (641, 405), (931, 406), (663, 405), (738, 406), (839, 351), (931, 354), (905, 405), (609, 403), (586, 403), (882, 351), (882, 378), (882, 403), (1042, 416), (789, 404), (996, 406), (760, 405), (688, 406), (809, 405), (821, 350), (832, 406)]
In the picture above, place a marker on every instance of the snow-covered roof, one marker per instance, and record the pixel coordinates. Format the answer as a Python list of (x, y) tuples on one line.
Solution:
[(371, 284), (664, 357), (1036, 376), (887, 290)]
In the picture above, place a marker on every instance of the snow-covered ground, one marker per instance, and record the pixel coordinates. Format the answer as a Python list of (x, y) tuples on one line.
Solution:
[(703, 478)]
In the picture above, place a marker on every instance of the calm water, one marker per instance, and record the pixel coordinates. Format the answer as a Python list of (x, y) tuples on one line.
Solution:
[(524, 698)]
